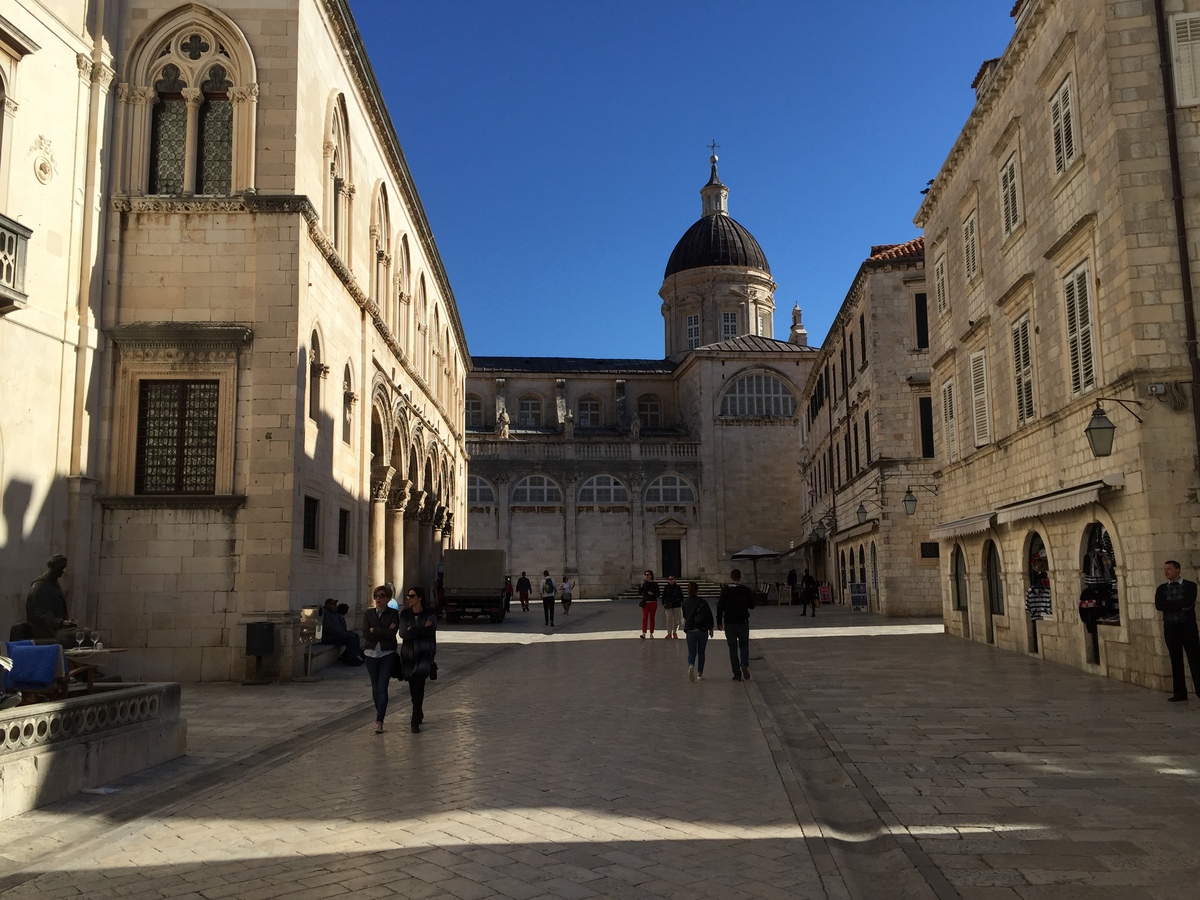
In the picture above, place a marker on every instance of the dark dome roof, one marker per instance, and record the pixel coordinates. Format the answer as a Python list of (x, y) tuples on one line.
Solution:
[(716, 240)]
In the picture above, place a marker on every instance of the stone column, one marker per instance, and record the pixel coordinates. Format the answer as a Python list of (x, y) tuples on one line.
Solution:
[(412, 538), (448, 532), (397, 501), (503, 526), (570, 512), (193, 97), (425, 542), (381, 482), (637, 538)]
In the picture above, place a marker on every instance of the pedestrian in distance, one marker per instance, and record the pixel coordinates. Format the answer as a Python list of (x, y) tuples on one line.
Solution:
[(524, 589), (672, 600), (648, 590), (549, 589), (808, 594), (733, 613), (566, 588), (381, 624), (697, 628), (793, 589), (507, 592), (418, 647), (1176, 600)]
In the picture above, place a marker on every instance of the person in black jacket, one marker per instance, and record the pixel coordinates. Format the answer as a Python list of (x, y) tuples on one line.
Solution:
[(672, 600), (523, 589), (380, 626), (697, 628), (648, 590), (1176, 600), (418, 635), (733, 611)]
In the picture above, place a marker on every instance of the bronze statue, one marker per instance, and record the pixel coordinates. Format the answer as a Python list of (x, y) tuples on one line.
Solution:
[(46, 605)]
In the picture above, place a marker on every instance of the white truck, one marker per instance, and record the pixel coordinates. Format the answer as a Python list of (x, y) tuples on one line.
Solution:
[(473, 584)]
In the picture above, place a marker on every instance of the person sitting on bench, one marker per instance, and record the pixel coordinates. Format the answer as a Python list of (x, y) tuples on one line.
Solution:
[(335, 632)]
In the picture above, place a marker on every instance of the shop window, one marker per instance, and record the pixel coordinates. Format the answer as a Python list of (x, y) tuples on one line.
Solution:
[(1038, 604), (862, 565)]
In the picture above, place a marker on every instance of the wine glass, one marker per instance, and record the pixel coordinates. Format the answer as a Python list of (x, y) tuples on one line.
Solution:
[(95, 638), (79, 636)]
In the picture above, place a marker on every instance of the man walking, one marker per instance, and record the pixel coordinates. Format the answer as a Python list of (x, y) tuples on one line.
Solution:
[(733, 611), (1176, 600), (524, 588), (549, 589)]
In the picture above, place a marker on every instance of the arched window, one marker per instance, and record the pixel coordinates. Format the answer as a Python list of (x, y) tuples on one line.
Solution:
[(348, 399), (381, 251), (480, 491), (589, 412), (529, 411), (423, 328), (992, 577), (536, 489), (338, 187), (958, 578), (874, 569), (316, 372), (670, 489), (862, 565), (758, 394), (603, 489), (474, 411), (403, 326), (192, 107), (649, 410), (842, 583)]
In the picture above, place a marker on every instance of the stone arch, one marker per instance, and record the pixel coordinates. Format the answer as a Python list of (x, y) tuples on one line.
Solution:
[(208, 59)]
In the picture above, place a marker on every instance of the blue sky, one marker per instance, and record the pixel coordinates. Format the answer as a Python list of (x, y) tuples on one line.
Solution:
[(559, 147)]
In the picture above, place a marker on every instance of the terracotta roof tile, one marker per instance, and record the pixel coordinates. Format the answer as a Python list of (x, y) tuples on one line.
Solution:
[(914, 249)]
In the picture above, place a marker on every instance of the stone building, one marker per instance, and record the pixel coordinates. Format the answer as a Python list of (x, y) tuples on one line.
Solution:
[(600, 468), (1062, 294), (242, 364), (861, 456)]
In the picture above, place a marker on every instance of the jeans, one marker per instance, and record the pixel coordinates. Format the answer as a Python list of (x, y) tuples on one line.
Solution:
[(416, 690), (738, 639), (380, 669), (548, 609), (697, 642)]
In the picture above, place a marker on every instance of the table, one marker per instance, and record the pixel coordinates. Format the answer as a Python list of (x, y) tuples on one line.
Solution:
[(85, 662)]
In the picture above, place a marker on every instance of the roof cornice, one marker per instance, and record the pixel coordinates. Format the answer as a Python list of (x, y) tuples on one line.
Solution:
[(1014, 54)]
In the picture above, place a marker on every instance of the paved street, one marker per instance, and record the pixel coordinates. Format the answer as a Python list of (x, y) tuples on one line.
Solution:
[(865, 759)]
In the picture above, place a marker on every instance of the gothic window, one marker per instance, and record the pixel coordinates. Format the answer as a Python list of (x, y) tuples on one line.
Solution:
[(423, 328), (474, 411), (529, 411), (338, 187), (191, 119), (381, 251), (480, 491), (758, 394), (348, 399), (536, 489), (670, 489), (589, 413), (603, 489), (316, 371), (176, 437), (649, 410)]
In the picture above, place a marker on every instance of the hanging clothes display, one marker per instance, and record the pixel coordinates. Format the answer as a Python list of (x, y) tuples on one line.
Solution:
[(1037, 597), (1100, 572)]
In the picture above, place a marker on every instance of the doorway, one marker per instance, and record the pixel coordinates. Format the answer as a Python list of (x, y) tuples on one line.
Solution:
[(672, 558)]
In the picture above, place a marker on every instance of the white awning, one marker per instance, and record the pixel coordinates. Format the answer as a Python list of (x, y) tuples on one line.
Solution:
[(1058, 501), (960, 527), (855, 531)]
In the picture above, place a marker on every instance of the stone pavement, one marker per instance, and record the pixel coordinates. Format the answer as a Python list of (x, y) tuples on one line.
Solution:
[(866, 759)]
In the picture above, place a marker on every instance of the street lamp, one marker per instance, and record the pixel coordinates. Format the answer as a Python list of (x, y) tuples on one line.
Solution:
[(1100, 432), (861, 512), (909, 502)]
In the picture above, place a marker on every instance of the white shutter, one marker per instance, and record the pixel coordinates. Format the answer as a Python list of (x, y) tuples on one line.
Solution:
[(981, 417), (1185, 35), (1080, 346), (949, 422), (1023, 370), (939, 280)]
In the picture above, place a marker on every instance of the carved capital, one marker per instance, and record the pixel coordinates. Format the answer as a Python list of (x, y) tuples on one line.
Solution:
[(193, 96), (143, 96), (85, 67), (327, 148), (448, 525), (381, 482), (242, 93), (416, 501), (11, 106), (103, 75)]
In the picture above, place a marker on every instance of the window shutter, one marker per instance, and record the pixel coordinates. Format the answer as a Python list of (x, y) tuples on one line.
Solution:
[(1186, 34), (980, 411), (1023, 369), (939, 285), (1080, 348), (1008, 195), (949, 423), (1063, 127), (970, 248)]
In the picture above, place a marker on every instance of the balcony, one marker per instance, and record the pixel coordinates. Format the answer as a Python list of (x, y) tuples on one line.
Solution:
[(14, 241)]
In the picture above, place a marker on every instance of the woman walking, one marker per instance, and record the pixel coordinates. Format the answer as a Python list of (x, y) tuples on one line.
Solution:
[(697, 628), (649, 602), (380, 626), (672, 600), (549, 589), (418, 635), (567, 588)]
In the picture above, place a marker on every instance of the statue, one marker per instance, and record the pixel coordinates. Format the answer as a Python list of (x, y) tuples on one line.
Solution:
[(46, 605), (502, 425), (569, 425), (635, 428)]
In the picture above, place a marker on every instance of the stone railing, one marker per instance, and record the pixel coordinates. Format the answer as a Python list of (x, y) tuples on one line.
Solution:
[(561, 450), (40, 724)]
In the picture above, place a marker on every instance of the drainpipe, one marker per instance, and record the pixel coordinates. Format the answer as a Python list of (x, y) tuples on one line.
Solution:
[(1181, 233)]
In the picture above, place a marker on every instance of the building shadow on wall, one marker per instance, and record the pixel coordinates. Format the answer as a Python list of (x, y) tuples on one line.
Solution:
[(24, 547)]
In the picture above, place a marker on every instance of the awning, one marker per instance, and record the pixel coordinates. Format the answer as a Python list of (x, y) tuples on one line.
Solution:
[(855, 531), (960, 527), (1058, 501)]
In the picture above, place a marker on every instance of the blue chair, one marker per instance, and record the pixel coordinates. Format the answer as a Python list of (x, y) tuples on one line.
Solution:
[(39, 669)]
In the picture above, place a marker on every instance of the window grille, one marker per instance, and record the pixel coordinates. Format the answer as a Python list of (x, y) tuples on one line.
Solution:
[(758, 394), (176, 437)]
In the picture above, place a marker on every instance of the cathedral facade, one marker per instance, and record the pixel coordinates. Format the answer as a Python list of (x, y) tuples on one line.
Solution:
[(601, 468), (243, 366)]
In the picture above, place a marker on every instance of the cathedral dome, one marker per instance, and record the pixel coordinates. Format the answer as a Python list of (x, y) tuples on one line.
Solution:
[(716, 240)]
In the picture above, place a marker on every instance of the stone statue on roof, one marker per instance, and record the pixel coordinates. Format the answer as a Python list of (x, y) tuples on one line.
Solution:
[(799, 334), (502, 425)]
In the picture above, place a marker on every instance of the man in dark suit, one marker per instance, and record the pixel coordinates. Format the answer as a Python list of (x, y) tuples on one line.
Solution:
[(1176, 600)]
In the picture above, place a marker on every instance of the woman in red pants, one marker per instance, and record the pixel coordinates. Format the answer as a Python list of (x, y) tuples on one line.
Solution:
[(649, 603)]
